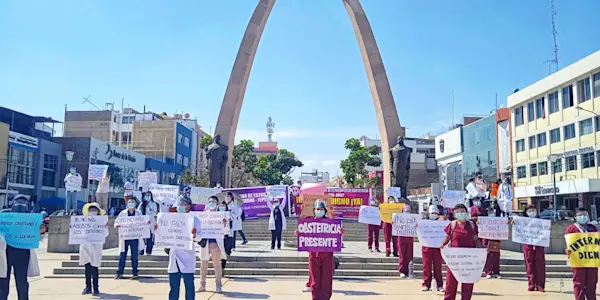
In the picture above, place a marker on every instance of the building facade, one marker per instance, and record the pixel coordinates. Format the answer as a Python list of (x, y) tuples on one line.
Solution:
[(314, 177), (479, 150), (557, 118), (448, 154)]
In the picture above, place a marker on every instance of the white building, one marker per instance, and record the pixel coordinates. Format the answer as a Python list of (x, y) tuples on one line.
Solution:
[(314, 177), (448, 154)]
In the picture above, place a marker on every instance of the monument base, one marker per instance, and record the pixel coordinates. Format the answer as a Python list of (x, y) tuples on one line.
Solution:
[(58, 235)]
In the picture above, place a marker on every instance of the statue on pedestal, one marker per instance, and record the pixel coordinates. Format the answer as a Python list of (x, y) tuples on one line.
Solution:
[(216, 155), (400, 166)]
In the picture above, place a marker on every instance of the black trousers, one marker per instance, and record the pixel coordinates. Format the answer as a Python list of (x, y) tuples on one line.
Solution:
[(91, 277), (276, 236), (17, 260)]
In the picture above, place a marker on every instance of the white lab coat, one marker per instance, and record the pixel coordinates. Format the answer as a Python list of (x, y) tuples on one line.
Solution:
[(33, 261), (91, 254), (236, 216), (205, 254), (152, 210), (505, 197), (181, 260), (123, 213), (272, 217)]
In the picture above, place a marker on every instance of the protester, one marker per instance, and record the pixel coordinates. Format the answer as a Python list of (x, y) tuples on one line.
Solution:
[(505, 196), (432, 257), (535, 260), (149, 207), (373, 230), (387, 234), (459, 233), (212, 249), (228, 238), (236, 219), (125, 245), (277, 221), (71, 201), (492, 263), (20, 261), (443, 212), (103, 191), (90, 255), (584, 279), (44, 212), (182, 262), (405, 245)]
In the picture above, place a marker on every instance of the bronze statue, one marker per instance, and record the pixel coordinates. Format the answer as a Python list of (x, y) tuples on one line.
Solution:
[(400, 166), (216, 155)]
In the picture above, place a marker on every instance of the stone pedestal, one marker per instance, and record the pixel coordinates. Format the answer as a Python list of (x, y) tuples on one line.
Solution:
[(58, 235)]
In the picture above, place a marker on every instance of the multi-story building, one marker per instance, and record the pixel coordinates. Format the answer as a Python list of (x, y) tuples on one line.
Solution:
[(314, 177), (555, 126), (265, 148), (448, 154)]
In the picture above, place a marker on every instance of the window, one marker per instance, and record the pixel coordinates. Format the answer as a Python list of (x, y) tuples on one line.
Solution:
[(20, 166), (543, 168), (540, 112), (530, 111), (541, 139), (558, 166), (521, 172), (49, 170), (569, 131), (48, 178), (571, 162), (128, 120), (583, 90), (180, 138), (126, 137), (533, 169), (532, 142), (553, 102), (48, 194), (555, 135), (520, 145), (567, 96), (596, 78), (587, 160), (597, 121), (186, 161), (586, 127), (186, 141), (179, 159), (50, 162), (519, 116)]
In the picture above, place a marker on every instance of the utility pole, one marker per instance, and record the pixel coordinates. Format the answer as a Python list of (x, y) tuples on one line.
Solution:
[(553, 61)]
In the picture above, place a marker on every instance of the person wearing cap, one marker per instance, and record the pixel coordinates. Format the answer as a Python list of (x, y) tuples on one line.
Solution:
[(406, 249), (373, 229), (387, 234), (432, 257), (149, 207), (125, 245), (90, 255), (182, 262), (584, 279), (212, 249), (535, 259)]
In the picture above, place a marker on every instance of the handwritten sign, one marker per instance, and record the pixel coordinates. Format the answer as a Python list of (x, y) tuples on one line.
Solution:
[(493, 228), (387, 209), (451, 198), (174, 231), (21, 230), (319, 235), (405, 224), (88, 230), (395, 192), (165, 195), (466, 264), (531, 231), (276, 192), (133, 227), (73, 183), (211, 224), (308, 204), (586, 249), (97, 172), (200, 195), (431, 232), (369, 215), (145, 179), (473, 192)]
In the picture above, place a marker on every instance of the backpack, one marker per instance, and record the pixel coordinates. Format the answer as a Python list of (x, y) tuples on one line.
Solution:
[(243, 216)]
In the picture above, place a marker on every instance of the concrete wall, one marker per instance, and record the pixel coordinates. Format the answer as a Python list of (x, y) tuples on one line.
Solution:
[(50, 148), (58, 235), (89, 123)]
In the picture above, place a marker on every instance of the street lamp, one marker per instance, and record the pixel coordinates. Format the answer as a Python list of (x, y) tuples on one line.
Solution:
[(553, 158), (69, 155)]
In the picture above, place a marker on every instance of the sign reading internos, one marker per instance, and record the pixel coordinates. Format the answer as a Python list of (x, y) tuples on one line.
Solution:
[(448, 144)]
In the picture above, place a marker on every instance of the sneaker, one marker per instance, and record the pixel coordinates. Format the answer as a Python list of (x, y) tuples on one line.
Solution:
[(245, 242), (96, 292), (86, 291), (201, 289), (118, 276), (441, 289), (488, 277), (307, 289), (425, 289), (218, 290), (402, 275), (135, 277), (378, 250), (396, 255), (498, 276), (370, 250)]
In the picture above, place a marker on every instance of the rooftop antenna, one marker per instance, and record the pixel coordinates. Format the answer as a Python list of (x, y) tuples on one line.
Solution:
[(270, 130), (553, 61), (452, 109), (87, 100)]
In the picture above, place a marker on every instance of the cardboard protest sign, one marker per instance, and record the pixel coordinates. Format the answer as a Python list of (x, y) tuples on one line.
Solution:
[(88, 230), (319, 235), (133, 227), (369, 215), (308, 204), (73, 183), (97, 172), (586, 249), (451, 198), (200, 195), (165, 195), (387, 209), (212, 225), (21, 230), (145, 179), (531, 231), (394, 192), (174, 231), (466, 264), (493, 228), (405, 224), (431, 232)]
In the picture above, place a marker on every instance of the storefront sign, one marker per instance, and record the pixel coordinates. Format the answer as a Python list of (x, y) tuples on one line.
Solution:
[(102, 151), (574, 152), (574, 186), (23, 140), (545, 190)]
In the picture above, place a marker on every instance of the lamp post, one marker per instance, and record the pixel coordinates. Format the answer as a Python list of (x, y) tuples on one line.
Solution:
[(553, 158)]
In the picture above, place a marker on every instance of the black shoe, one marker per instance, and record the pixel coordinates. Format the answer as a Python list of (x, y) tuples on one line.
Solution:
[(396, 255), (387, 254), (141, 253), (86, 291), (96, 292), (135, 277), (118, 276)]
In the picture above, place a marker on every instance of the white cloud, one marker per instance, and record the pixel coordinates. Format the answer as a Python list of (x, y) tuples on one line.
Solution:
[(332, 162)]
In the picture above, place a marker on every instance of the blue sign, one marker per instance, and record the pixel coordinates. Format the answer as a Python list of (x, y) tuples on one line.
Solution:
[(21, 230)]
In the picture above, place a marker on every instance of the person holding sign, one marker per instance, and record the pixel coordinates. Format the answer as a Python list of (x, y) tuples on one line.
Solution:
[(535, 260), (460, 233), (432, 257), (212, 248), (387, 234), (373, 229), (405, 245), (277, 222), (584, 279), (125, 245), (90, 255), (492, 263), (149, 207)]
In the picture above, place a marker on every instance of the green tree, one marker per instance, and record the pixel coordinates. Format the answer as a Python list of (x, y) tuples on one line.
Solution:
[(202, 179), (354, 166), (187, 178), (206, 141), (243, 163), (273, 168)]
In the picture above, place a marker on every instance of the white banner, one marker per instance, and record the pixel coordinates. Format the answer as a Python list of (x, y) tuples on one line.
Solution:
[(134, 227), (452, 198), (145, 179), (174, 231), (493, 228), (212, 225), (531, 231), (369, 215), (73, 183), (165, 195), (466, 264), (395, 192), (88, 230), (431, 232), (97, 172), (200, 195), (274, 192), (405, 224)]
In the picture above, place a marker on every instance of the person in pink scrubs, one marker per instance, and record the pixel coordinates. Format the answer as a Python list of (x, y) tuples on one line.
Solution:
[(535, 260)]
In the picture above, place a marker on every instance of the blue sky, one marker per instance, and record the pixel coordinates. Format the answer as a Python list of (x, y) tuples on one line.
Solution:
[(175, 56)]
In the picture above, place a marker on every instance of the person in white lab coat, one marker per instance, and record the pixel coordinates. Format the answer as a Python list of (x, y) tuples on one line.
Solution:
[(277, 222), (124, 245), (212, 249), (236, 219), (505, 196), (90, 255), (149, 207), (182, 263)]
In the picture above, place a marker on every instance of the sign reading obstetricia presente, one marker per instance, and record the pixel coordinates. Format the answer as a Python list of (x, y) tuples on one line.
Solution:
[(319, 235)]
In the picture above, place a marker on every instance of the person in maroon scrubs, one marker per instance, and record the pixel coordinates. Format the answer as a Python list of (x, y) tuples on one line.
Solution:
[(535, 260), (460, 233), (584, 279), (432, 257), (387, 235), (373, 230), (406, 249)]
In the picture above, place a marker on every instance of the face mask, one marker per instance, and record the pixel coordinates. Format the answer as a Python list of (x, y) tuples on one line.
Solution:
[(93, 212), (72, 172), (461, 216), (131, 204), (532, 214), (181, 209), (147, 198), (275, 204), (319, 213), (221, 208), (19, 208), (212, 206), (433, 216), (477, 203), (582, 219)]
